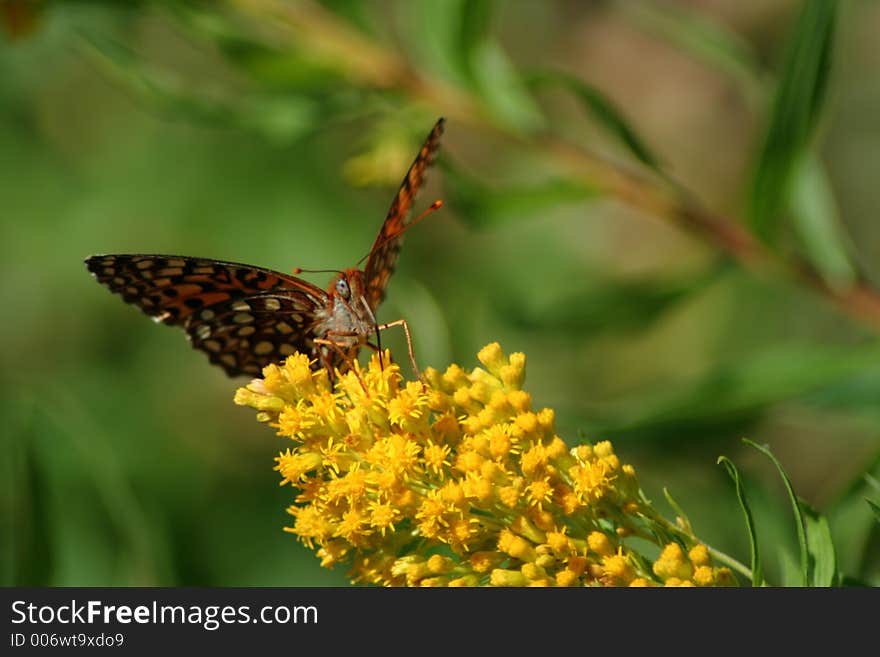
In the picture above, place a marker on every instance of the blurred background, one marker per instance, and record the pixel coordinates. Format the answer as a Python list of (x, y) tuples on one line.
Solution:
[(275, 133)]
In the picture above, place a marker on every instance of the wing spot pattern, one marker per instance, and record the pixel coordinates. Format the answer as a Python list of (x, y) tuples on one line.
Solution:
[(264, 347)]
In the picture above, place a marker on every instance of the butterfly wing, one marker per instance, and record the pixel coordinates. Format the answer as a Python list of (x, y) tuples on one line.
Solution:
[(383, 255), (242, 317)]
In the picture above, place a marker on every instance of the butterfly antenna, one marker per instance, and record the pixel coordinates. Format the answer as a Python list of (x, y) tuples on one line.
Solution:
[(436, 205), (300, 270)]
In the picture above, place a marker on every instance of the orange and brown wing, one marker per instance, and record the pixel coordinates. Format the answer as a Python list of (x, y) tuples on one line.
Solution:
[(242, 317), (386, 248)]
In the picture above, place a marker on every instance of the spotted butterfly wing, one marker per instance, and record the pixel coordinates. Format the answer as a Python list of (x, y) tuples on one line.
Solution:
[(386, 248), (242, 317)]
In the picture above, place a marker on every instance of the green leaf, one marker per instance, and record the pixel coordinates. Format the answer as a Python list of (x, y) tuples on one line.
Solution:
[(475, 18), (602, 109), (875, 484), (287, 67), (757, 576), (685, 521), (817, 223), (595, 303), (794, 115), (820, 548), (875, 508), (800, 522), (709, 41), (790, 572), (453, 39), (279, 118), (502, 90), (732, 393), (432, 37), (852, 521), (483, 206)]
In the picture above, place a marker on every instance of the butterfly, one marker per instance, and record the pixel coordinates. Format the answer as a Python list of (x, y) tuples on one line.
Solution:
[(245, 317)]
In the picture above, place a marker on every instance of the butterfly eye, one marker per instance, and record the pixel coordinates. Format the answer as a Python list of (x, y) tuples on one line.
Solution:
[(343, 289)]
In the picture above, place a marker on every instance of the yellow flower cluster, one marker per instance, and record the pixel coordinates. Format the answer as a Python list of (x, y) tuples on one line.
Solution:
[(457, 481)]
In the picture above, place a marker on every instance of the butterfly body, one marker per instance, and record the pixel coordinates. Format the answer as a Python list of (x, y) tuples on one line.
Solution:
[(346, 320), (346, 313), (245, 317)]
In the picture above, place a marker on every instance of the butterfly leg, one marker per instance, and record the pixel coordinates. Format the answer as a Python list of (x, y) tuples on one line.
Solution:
[(409, 344), (341, 353)]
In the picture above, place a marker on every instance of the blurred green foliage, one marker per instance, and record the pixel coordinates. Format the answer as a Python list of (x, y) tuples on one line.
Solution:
[(223, 130)]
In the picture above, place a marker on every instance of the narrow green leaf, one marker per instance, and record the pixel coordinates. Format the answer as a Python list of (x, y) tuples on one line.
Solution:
[(875, 508), (733, 393), (817, 223), (487, 68), (280, 118), (875, 484), (502, 89), (285, 67), (453, 39), (790, 572), (678, 510), (707, 40), (602, 109), (595, 303), (800, 523), (794, 115), (432, 36), (852, 521), (482, 206), (757, 576), (474, 20), (355, 12), (820, 548)]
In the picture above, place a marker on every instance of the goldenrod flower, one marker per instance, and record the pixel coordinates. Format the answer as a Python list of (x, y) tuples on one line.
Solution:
[(459, 481)]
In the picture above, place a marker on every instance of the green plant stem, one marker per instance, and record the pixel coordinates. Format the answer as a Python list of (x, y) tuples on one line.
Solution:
[(727, 560), (370, 64)]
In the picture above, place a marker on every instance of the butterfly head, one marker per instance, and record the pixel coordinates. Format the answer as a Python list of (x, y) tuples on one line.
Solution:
[(349, 288), (348, 285)]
